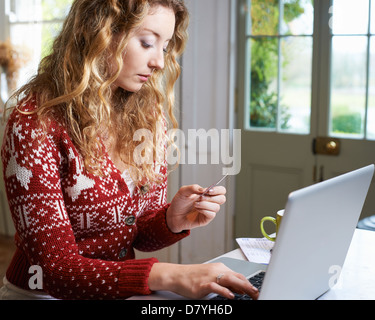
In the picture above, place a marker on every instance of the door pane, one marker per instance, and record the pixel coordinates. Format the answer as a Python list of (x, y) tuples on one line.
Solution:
[(371, 108), (372, 16), (350, 17), (263, 79), (295, 97), (298, 17), (264, 17), (279, 65), (348, 86)]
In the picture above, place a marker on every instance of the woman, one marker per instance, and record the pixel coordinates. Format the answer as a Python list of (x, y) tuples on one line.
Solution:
[(81, 195)]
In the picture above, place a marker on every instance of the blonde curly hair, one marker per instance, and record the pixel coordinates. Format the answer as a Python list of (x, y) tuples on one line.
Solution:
[(73, 83)]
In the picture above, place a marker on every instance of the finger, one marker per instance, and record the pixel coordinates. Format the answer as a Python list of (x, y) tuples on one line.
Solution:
[(218, 190), (221, 199), (213, 287), (249, 289), (202, 206), (191, 190), (209, 215), (238, 283)]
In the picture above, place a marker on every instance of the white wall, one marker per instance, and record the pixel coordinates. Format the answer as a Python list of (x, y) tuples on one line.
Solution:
[(207, 102)]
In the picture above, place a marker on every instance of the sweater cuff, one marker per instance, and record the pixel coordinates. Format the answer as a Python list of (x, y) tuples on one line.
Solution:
[(133, 278)]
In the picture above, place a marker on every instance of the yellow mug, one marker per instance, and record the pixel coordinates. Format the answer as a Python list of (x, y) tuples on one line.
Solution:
[(276, 221)]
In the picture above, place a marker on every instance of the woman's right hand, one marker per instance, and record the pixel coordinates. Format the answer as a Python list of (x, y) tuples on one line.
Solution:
[(198, 280)]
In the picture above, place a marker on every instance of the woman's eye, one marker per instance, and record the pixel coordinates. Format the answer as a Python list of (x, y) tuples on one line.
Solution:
[(146, 44)]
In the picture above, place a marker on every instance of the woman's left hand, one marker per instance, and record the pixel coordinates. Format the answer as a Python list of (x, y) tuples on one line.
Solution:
[(189, 210)]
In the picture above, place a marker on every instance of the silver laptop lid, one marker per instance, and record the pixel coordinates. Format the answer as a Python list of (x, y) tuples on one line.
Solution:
[(315, 235)]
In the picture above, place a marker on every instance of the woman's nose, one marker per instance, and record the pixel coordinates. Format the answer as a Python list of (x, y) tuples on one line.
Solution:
[(157, 61)]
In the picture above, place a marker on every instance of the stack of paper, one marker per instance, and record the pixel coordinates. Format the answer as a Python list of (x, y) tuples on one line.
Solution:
[(256, 250)]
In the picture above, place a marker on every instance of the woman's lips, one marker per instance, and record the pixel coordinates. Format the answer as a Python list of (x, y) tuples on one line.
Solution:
[(144, 77)]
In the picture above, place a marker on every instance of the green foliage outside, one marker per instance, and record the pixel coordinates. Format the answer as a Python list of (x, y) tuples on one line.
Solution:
[(347, 123), (264, 102)]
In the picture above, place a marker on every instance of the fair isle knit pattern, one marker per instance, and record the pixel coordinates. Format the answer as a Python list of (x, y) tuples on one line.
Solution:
[(80, 228)]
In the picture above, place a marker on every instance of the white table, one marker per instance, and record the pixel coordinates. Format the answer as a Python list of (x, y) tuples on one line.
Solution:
[(357, 279)]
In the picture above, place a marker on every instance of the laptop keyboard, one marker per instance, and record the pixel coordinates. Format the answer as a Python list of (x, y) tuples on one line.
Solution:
[(256, 280)]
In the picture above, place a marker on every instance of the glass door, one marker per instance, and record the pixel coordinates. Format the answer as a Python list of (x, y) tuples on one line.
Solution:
[(352, 101), (306, 99), (275, 109), (347, 108)]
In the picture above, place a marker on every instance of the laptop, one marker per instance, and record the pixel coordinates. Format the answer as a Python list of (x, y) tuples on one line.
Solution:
[(314, 237)]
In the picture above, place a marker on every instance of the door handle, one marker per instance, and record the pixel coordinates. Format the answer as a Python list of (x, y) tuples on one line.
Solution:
[(327, 146)]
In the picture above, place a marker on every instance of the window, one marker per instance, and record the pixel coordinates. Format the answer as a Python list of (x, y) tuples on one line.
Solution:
[(279, 65), (279, 62), (353, 69), (33, 24)]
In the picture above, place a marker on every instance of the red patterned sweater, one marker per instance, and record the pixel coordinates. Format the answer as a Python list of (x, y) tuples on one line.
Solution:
[(78, 227)]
